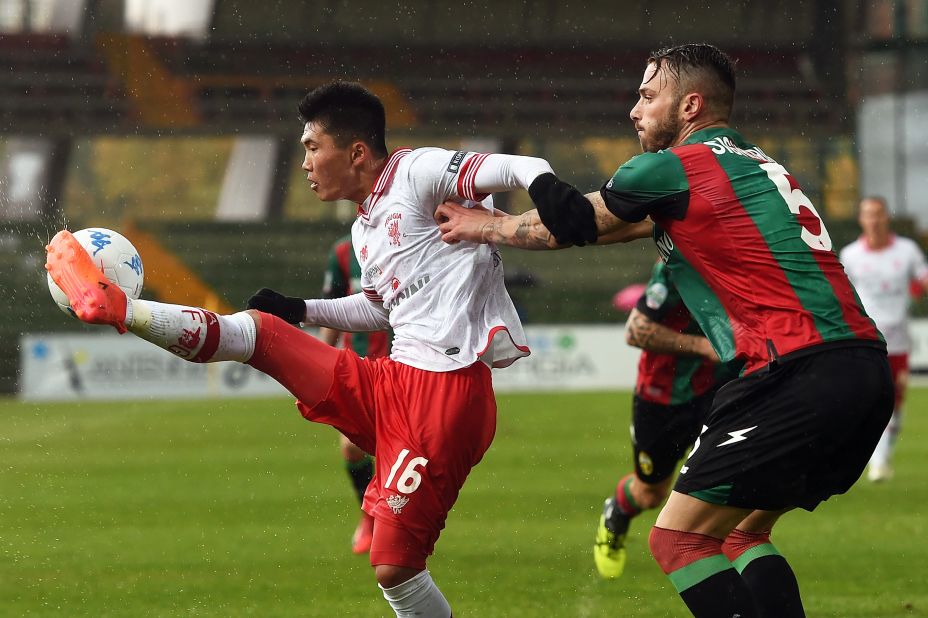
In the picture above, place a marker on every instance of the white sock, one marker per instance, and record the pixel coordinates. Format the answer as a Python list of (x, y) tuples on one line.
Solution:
[(192, 333), (418, 596), (883, 452)]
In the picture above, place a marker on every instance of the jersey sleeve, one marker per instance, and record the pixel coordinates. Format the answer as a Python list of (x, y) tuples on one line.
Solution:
[(437, 174), (650, 184), (660, 296), (919, 266)]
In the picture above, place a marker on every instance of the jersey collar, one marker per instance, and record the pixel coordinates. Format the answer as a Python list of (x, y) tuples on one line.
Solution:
[(383, 182), (704, 135)]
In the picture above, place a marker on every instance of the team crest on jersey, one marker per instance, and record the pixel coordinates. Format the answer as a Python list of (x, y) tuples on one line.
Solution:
[(393, 228), (655, 295), (395, 284), (364, 253), (397, 502)]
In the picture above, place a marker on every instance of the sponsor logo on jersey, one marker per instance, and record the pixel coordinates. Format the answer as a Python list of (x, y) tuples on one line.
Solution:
[(397, 502), (452, 351), (656, 295), (406, 292), (372, 274), (456, 160), (393, 228), (664, 245)]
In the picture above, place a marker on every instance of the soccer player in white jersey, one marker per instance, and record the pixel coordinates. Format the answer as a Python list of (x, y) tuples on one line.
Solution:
[(883, 267), (427, 412)]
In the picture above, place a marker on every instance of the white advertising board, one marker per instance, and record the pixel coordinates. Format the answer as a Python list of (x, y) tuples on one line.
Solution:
[(110, 366)]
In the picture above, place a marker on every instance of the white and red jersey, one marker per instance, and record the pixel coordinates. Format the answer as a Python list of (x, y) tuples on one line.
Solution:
[(883, 278), (446, 303)]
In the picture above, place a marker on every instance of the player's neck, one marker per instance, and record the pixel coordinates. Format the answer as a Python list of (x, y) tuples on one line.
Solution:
[(368, 178), (878, 241)]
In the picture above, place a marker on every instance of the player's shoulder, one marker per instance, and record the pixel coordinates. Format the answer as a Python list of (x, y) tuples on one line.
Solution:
[(853, 248), (656, 169)]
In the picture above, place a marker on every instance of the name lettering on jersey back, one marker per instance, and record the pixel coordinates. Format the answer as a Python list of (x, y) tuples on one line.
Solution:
[(407, 292), (722, 144)]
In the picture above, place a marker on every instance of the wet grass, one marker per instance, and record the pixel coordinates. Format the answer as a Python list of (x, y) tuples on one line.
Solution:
[(237, 508)]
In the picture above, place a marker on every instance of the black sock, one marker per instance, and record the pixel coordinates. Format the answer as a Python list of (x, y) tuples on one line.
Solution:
[(723, 595), (361, 473), (774, 586)]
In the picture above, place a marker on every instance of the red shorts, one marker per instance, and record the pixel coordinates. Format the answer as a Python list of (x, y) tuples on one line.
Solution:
[(899, 365), (426, 429)]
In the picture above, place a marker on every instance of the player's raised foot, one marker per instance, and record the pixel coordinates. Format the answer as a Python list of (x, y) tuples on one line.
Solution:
[(609, 549), (93, 298), (879, 473), (363, 535)]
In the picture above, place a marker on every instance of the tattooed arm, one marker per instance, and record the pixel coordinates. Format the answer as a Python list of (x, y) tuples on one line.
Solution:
[(526, 231), (643, 332)]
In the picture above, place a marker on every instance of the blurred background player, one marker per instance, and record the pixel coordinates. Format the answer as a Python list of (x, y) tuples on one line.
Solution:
[(678, 375), (343, 278), (885, 268)]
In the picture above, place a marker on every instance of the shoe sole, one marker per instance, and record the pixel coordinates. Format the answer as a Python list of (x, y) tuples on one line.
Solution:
[(72, 269)]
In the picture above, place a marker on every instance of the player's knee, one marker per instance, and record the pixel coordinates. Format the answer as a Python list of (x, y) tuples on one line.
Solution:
[(651, 496), (391, 576), (674, 549)]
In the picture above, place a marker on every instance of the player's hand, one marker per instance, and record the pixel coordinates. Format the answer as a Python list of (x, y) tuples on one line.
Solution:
[(457, 223), (288, 308)]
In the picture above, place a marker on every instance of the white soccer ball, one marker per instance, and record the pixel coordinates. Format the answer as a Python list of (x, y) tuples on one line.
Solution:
[(115, 255)]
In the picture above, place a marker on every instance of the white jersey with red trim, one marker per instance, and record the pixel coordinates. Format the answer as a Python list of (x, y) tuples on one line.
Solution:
[(447, 303), (883, 278)]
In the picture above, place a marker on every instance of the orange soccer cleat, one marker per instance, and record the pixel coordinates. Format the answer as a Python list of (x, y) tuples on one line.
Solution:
[(93, 298)]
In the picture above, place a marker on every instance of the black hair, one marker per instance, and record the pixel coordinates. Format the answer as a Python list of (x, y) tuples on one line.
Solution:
[(706, 64), (347, 111)]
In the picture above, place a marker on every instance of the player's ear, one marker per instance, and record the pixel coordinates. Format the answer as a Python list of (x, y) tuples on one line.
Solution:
[(359, 152), (691, 105)]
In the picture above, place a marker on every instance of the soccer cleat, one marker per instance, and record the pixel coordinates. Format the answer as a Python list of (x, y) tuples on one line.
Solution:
[(609, 549), (879, 473), (363, 535), (93, 298)]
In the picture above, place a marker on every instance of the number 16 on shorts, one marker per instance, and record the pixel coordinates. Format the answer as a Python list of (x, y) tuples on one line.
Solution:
[(410, 478)]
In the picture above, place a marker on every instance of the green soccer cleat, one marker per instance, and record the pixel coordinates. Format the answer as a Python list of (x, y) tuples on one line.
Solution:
[(609, 548)]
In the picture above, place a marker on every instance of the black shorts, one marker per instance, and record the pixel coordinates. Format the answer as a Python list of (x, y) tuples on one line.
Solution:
[(661, 434), (793, 434)]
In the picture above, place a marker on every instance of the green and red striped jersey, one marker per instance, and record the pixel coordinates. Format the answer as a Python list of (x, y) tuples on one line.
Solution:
[(746, 248), (343, 278), (671, 379)]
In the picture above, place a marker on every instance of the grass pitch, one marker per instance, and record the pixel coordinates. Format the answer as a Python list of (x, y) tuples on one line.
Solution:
[(241, 508)]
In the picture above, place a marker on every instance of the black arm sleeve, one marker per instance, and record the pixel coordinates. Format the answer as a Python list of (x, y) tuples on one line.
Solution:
[(672, 205), (564, 211)]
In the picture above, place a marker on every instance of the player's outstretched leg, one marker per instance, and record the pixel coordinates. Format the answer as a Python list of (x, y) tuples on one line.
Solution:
[(93, 298), (191, 333)]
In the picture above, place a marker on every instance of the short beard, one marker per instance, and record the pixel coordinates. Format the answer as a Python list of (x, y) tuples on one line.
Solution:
[(663, 134), (666, 131)]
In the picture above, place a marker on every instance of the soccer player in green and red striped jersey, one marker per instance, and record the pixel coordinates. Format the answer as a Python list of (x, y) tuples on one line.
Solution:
[(678, 376), (343, 278), (754, 263)]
